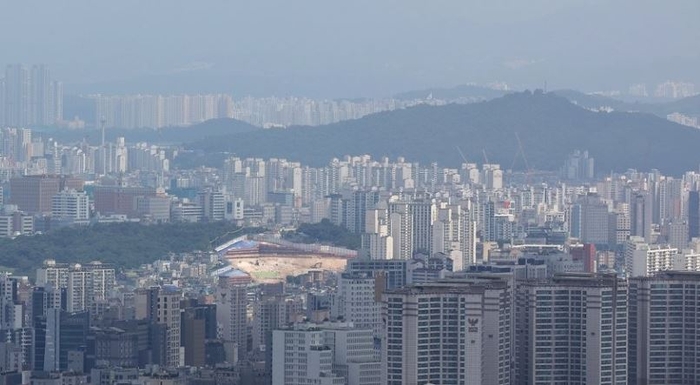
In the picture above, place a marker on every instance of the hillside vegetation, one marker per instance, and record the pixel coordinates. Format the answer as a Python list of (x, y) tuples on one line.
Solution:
[(127, 245), (549, 126)]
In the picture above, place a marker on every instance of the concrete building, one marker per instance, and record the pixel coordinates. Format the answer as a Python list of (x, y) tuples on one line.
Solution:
[(643, 259), (16, 224), (328, 353), (589, 220), (451, 331), (301, 357), (572, 330), (34, 194), (358, 302), (198, 327), (161, 305), (213, 205), (377, 242), (663, 325), (71, 204), (232, 310), (119, 199), (641, 216)]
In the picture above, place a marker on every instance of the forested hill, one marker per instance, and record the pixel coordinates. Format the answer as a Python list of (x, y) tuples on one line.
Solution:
[(126, 245), (549, 126), (687, 106)]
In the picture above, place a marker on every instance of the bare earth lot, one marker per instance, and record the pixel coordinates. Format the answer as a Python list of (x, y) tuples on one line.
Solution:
[(270, 269)]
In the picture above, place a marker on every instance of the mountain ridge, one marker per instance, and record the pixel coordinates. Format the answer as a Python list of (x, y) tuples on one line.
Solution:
[(549, 126)]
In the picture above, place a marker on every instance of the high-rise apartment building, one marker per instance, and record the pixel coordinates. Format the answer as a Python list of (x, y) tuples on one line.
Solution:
[(213, 205), (452, 331), (693, 214), (410, 225), (198, 327), (30, 97), (571, 330), (358, 301), (161, 305), (232, 303), (663, 329), (85, 285), (641, 216), (643, 259), (589, 220)]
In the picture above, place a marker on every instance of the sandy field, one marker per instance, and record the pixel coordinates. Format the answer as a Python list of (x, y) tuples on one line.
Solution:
[(270, 269)]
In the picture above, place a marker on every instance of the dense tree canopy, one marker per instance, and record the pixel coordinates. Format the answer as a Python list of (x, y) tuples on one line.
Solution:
[(327, 233), (126, 245)]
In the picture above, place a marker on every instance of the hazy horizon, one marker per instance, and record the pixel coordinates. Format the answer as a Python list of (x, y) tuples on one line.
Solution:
[(361, 49)]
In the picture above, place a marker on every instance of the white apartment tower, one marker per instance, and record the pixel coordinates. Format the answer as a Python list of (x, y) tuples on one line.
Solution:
[(452, 331), (358, 303), (377, 242), (643, 259)]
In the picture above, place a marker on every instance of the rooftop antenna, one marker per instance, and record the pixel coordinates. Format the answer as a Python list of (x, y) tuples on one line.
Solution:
[(545, 86)]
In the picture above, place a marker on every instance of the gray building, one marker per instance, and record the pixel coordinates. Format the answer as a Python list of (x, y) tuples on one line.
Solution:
[(572, 329), (663, 329)]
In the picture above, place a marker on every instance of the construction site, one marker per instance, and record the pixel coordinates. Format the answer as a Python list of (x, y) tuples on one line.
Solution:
[(268, 259)]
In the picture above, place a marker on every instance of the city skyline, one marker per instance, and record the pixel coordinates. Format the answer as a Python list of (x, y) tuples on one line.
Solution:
[(377, 192)]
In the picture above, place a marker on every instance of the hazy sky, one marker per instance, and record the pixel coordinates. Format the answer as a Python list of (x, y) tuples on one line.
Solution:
[(331, 48)]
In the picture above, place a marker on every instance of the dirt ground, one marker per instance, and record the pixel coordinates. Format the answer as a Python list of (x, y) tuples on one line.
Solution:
[(275, 269)]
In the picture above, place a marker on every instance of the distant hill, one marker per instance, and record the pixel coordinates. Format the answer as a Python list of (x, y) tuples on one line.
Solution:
[(461, 92), (171, 135), (549, 126), (688, 106)]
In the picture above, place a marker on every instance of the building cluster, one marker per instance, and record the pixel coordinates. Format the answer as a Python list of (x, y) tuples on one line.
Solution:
[(23, 153), (668, 89), (677, 117), (675, 90), (294, 111), (467, 275), (29, 96), (541, 315), (156, 111)]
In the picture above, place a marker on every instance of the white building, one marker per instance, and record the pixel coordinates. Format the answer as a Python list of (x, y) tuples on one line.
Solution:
[(302, 357), (456, 331), (328, 353), (377, 243), (357, 301), (643, 259), (71, 204), (79, 290)]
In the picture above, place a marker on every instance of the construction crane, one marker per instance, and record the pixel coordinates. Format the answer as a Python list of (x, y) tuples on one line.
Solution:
[(520, 151), (486, 158)]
